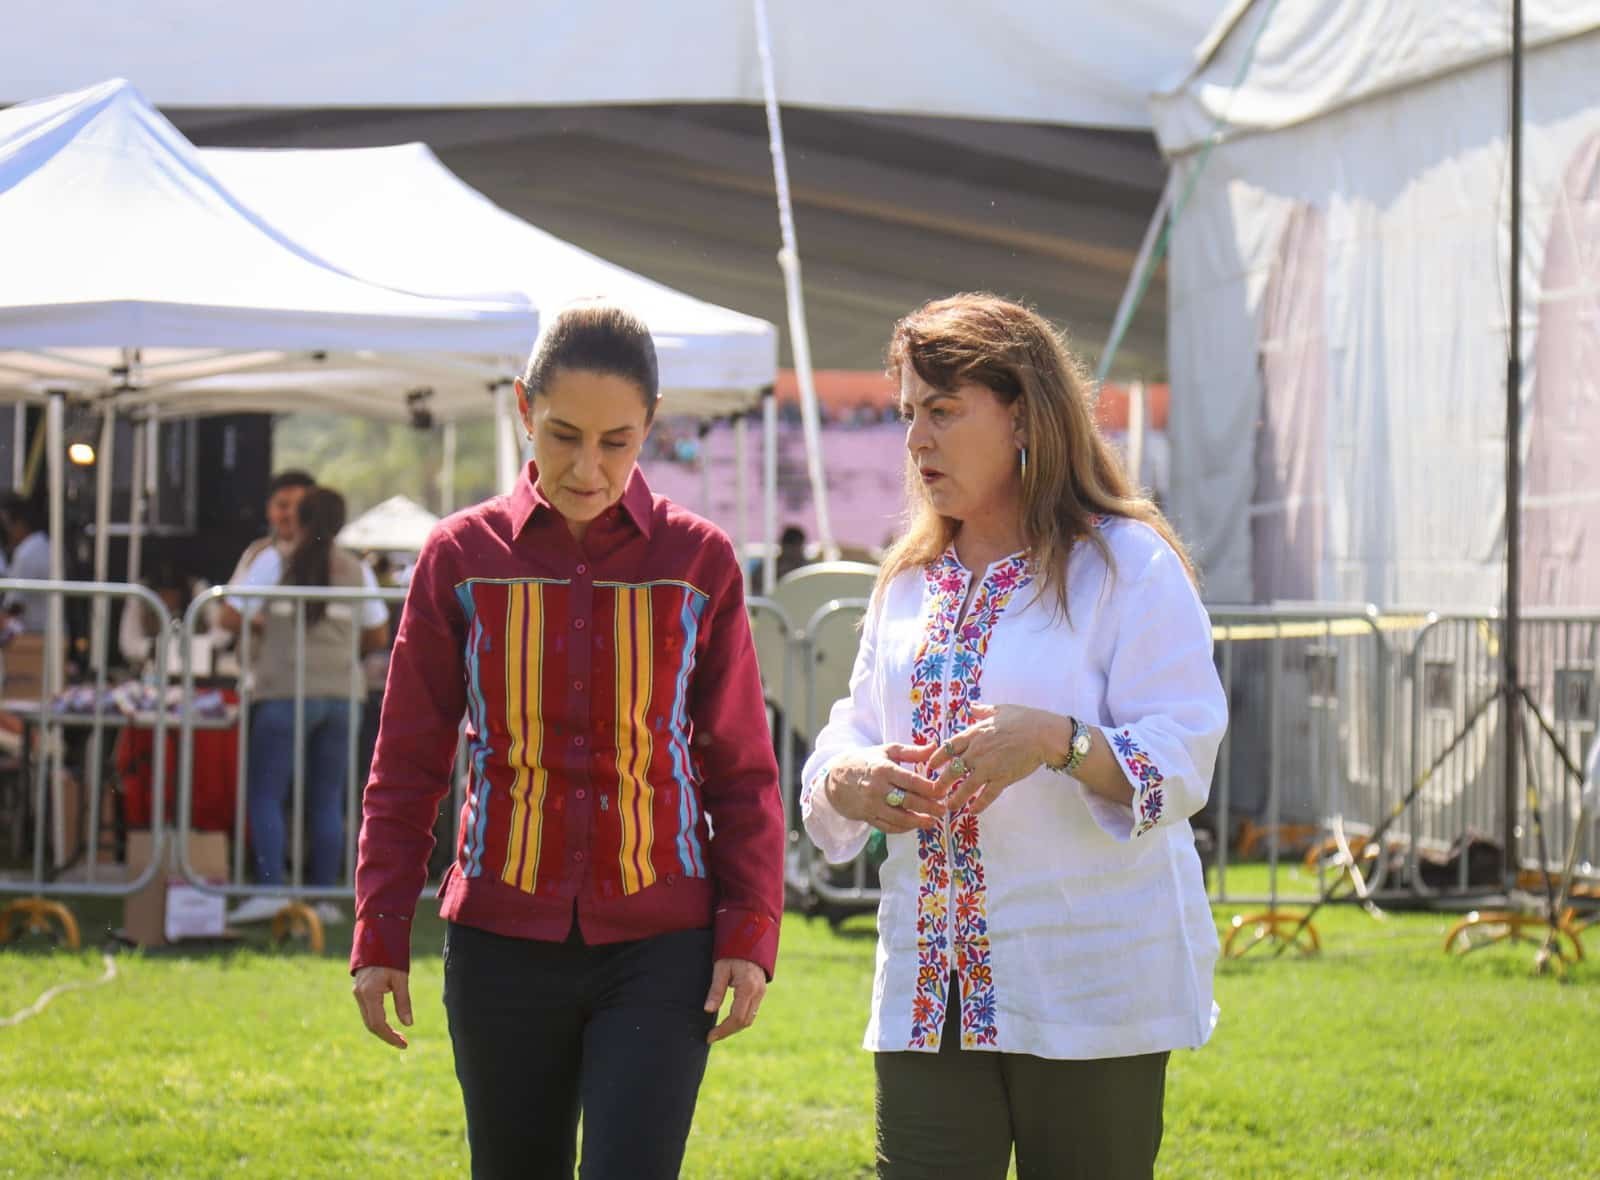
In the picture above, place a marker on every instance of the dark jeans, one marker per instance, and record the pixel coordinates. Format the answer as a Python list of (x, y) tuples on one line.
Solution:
[(544, 1030), (271, 779), (958, 1113)]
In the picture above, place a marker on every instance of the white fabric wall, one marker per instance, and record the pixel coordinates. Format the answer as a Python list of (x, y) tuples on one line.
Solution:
[(1410, 188)]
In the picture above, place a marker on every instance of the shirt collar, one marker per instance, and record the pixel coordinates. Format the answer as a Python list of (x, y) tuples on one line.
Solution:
[(528, 499)]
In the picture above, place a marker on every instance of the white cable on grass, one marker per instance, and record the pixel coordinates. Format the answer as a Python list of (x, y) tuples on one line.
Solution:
[(43, 1001)]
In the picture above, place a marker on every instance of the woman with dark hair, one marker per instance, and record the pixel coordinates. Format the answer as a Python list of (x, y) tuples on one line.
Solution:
[(1032, 720), (332, 690), (618, 867)]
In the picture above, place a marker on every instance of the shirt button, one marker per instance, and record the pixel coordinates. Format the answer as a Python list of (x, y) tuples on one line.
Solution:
[(581, 793), (582, 569), (578, 624), (578, 684), (579, 741), (577, 857)]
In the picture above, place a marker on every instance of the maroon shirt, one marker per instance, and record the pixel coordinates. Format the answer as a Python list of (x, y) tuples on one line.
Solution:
[(621, 768)]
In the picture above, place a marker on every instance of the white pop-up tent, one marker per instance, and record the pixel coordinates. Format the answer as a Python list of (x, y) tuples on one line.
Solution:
[(1339, 295), (387, 212), (398, 525), (117, 239)]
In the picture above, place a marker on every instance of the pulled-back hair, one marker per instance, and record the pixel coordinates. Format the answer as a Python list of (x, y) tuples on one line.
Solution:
[(1073, 474), (593, 336), (321, 515)]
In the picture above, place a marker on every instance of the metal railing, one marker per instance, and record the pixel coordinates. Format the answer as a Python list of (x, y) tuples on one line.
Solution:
[(53, 721)]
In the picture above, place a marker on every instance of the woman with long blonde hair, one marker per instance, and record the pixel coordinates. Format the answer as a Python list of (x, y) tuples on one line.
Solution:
[(1033, 718)]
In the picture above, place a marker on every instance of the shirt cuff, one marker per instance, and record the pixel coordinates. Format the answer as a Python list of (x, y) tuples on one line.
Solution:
[(839, 839), (381, 940), (1144, 776), (746, 934)]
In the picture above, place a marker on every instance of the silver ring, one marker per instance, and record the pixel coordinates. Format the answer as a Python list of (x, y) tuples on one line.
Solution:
[(961, 767), (895, 797), (950, 747)]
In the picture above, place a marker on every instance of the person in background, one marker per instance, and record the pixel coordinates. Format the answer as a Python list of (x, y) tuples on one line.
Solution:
[(137, 632), (619, 867), (284, 494), (791, 550), (22, 522), (1032, 719), (314, 561)]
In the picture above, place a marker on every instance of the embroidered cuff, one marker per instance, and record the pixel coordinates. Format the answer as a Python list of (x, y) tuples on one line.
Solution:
[(1143, 775)]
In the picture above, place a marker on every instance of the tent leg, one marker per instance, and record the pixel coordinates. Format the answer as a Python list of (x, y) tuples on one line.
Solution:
[(769, 491), (741, 485), (55, 415), (447, 471), (1143, 266), (789, 261), (505, 440), (136, 505), (99, 611)]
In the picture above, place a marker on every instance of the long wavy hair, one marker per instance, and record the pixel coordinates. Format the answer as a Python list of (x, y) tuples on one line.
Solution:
[(1073, 473), (321, 515)]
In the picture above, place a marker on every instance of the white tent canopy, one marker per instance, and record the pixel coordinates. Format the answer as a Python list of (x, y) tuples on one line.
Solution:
[(116, 238), (398, 525), (1078, 61), (355, 207), (1338, 295), (114, 234)]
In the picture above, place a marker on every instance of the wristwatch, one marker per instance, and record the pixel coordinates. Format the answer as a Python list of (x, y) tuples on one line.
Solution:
[(1077, 749)]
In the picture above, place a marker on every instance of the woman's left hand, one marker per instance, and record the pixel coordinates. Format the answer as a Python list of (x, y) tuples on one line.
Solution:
[(1004, 743), (749, 985)]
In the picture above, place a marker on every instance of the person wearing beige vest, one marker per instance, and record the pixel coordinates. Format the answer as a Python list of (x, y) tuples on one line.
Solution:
[(337, 634)]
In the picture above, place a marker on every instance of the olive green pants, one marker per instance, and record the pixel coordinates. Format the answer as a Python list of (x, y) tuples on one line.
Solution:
[(959, 1113)]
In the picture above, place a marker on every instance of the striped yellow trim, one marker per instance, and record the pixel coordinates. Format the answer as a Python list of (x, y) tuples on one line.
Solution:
[(524, 642), (634, 644), (690, 586)]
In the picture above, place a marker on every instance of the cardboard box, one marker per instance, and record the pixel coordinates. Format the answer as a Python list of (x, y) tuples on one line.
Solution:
[(169, 908), (23, 661)]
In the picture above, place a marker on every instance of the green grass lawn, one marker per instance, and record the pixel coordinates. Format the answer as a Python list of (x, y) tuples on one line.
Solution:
[(1381, 1057)]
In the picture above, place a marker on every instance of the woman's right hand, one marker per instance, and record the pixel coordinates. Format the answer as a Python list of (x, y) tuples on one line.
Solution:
[(371, 986), (858, 786)]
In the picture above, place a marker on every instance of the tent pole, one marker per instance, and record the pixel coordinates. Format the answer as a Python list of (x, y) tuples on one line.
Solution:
[(769, 490), (789, 262), (1510, 639), (19, 443), (104, 456), (1144, 265), (136, 503), (704, 454), (447, 471), (55, 443), (505, 439), (1136, 408), (741, 485)]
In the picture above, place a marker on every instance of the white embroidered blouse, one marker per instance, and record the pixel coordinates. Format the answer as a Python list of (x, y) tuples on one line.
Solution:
[(1076, 927)]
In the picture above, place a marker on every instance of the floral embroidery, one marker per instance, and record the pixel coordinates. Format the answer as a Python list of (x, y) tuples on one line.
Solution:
[(942, 707), (1149, 797)]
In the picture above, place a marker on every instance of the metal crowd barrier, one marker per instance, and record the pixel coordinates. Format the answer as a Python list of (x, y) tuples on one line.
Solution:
[(773, 633), (53, 715), (279, 600), (1455, 675), (1308, 756)]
